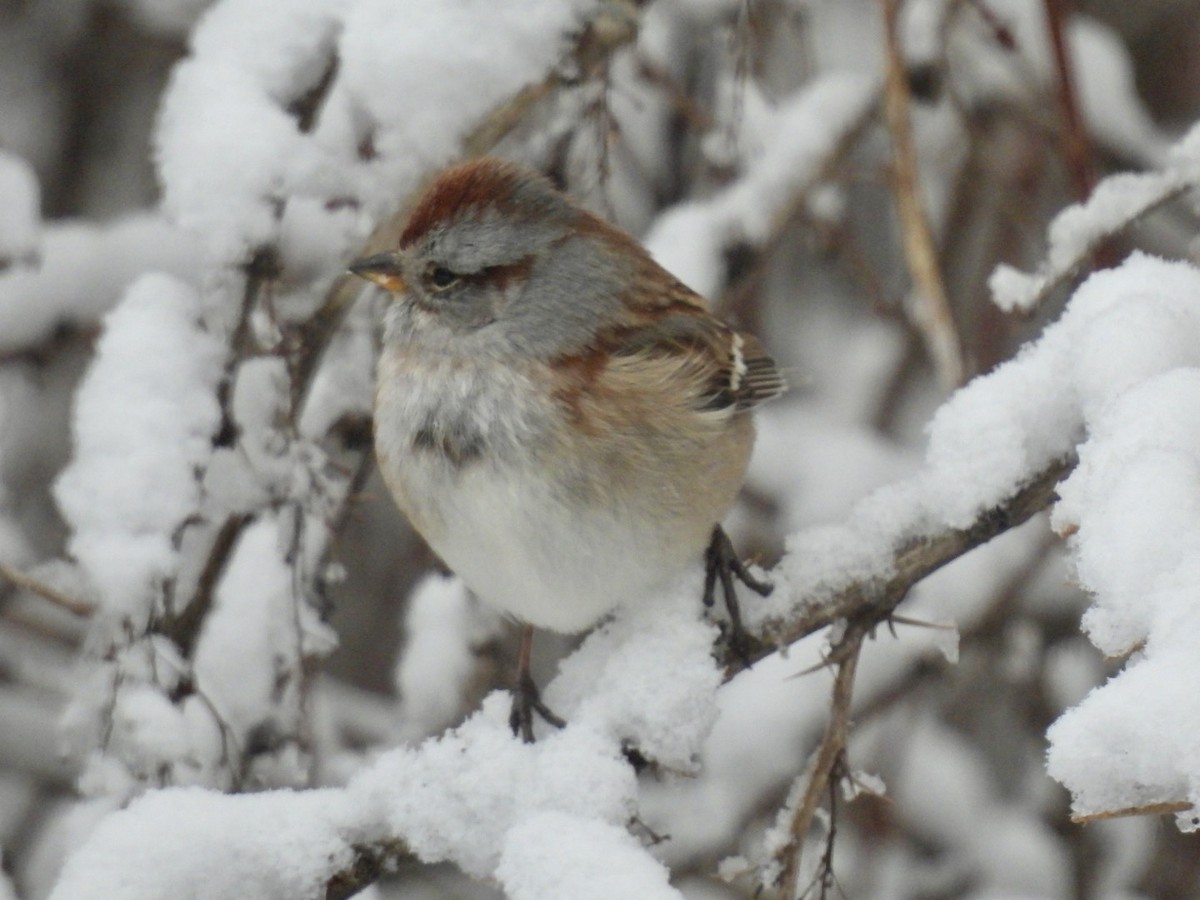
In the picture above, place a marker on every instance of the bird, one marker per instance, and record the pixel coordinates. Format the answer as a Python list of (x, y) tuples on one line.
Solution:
[(561, 419)]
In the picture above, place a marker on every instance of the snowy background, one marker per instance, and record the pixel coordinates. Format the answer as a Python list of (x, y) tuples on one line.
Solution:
[(965, 228)]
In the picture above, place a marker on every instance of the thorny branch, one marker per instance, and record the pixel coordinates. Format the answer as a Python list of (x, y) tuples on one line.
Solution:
[(825, 762), (874, 600)]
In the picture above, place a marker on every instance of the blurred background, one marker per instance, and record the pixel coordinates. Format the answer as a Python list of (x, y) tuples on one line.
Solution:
[(707, 94)]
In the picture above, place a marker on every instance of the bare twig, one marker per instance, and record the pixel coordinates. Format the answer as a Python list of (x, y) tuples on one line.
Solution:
[(46, 592), (932, 315), (824, 763), (1150, 809)]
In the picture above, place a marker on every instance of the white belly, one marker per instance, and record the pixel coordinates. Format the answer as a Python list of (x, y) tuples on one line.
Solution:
[(523, 551)]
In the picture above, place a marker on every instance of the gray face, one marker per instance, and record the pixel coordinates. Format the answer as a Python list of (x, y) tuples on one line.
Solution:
[(467, 274), (526, 282)]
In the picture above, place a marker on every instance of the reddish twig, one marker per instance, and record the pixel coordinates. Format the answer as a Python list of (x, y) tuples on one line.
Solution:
[(1076, 148)]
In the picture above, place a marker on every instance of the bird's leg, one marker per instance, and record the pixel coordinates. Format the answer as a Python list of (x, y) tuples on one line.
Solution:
[(721, 562), (527, 699)]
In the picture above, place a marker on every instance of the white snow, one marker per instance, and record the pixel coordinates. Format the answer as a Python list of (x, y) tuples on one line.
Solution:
[(443, 627), (396, 89), (1132, 509), (143, 422), (1079, 230), (188, 842), (82, 270)]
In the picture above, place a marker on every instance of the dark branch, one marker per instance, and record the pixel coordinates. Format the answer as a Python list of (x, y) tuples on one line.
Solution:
[(369, 863), (874, 600)]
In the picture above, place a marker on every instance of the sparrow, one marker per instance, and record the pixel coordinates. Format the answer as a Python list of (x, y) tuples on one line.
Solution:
[(562, 420)]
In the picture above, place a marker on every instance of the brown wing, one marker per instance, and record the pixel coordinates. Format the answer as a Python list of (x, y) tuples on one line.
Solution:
[(678, 351), (668, 336), (727, 368)]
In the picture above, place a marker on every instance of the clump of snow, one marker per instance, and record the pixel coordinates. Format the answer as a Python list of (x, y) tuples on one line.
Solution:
[(1132, 510), (82, 270), (425, 100), (398, 106), (224, 183), (443, 627), (553, 854), (647, 677), (188, 842), (143, 423)]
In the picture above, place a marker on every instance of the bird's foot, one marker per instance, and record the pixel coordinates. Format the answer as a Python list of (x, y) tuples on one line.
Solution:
[(721, 563), (527, 701)]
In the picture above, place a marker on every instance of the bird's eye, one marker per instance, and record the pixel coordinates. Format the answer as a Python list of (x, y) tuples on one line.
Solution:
[(441, 278)]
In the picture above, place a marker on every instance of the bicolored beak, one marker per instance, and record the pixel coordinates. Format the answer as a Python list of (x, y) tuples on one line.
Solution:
[(384, 269)]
